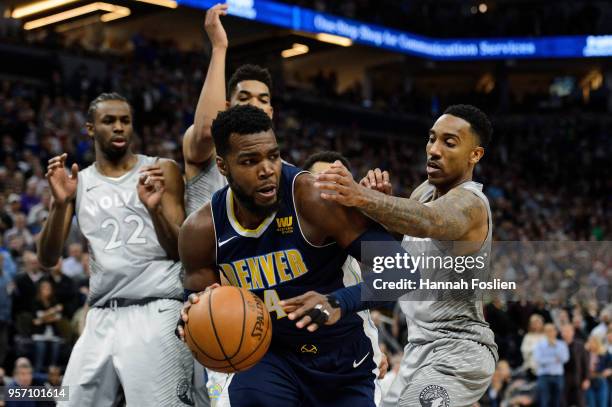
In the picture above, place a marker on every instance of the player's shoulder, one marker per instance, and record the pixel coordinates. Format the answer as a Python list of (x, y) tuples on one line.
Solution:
[(420, 190), (200, 221)]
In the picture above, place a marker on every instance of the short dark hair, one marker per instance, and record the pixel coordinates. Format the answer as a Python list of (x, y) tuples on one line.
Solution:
[(240, 119), (478, 120), (249, 72), (103, 97), (326, 157)]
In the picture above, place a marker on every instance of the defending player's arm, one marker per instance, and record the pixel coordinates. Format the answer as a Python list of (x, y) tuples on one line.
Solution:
[(161, 190), (349, 228), (63, 188), (197, 143), (450, 217), (197, 247)]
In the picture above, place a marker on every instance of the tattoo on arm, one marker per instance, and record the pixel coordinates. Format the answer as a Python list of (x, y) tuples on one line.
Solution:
[(447, 218)]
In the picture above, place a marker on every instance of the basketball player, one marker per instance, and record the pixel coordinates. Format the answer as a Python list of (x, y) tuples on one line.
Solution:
[(250, 84), (316, 164), (451, 354), (129, 208), (270, 232)]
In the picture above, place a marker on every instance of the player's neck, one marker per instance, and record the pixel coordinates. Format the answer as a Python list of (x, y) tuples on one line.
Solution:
[(443, 189), (246, 218), (117, 168)]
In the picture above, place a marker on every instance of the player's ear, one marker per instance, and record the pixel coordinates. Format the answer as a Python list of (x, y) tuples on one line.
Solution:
[(222, 165), (227, 104), (90, 129), (476, 155)]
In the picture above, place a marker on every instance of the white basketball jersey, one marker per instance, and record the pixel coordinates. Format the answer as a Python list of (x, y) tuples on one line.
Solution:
[(126, 259)]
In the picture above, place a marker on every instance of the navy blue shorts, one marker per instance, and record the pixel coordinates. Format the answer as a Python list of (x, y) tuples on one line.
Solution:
[(306, 375)]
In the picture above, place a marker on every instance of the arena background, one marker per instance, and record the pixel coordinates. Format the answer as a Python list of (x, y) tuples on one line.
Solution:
[(545, 79)]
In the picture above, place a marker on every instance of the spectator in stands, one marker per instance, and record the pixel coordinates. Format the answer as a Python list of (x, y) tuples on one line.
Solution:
[(576, 369), (534, 335), (72, 265), (39, 212), (600, 371), (22, 377), (6, 221), (495, 395), (6, 287), (25, 292), (20, 230), (46, 331), (65, 290), (14, 205), (30, 197), (605, 317), (549, 355)]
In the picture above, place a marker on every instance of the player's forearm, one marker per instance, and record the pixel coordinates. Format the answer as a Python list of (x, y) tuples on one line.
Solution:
[(167, 233), (210, 103), (52, 237), (398, 215)]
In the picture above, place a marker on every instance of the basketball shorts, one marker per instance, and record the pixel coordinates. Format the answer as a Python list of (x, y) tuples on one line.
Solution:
[(132, 350), (444, 373), (307, 375)]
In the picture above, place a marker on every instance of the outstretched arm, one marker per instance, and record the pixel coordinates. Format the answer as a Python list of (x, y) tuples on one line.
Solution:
[(450, 217), (197, 143), (320, 220)]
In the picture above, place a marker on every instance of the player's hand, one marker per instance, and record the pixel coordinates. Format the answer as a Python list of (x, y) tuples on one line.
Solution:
[(383, 366), (151, 186), (63, 186), (192, 299), (310, 310), (214, 29), (378, 180), (337, 184)]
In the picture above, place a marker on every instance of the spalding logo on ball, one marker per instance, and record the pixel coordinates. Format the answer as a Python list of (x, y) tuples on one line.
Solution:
[(229, 329)]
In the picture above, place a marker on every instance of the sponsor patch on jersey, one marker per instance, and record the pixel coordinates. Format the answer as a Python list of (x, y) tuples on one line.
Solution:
[(434, 396), (284, 225)]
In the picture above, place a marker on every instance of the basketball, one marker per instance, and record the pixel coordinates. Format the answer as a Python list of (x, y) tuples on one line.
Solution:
[(228, 330)]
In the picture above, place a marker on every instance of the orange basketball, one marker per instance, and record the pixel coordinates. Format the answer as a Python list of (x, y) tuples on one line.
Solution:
[(229, 329)]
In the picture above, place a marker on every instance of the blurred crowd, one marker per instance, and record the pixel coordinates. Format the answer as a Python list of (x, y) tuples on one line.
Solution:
[(547, 177)]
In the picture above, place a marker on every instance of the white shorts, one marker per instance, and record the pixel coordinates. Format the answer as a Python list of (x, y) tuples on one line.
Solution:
[(132, 348), (446, 373)]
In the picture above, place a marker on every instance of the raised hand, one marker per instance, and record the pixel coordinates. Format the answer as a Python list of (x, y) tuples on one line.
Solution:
[(151, 186), (214, 28), (378, 180), (337, 184), (63, 186)]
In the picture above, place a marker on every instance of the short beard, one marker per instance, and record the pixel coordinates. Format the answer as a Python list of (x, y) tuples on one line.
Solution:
[(249, 202), (112, 154)]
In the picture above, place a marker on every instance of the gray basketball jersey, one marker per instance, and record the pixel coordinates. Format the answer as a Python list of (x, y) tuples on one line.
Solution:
[(125, 257), (200, 189), (461, 317)]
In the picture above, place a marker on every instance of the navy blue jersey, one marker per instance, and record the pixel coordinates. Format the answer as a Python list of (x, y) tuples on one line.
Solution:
[(276, 262)]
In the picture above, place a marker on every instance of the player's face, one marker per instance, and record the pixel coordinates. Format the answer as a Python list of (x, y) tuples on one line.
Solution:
[(112, 128), (452, 150), (253, 93), (253, 169)]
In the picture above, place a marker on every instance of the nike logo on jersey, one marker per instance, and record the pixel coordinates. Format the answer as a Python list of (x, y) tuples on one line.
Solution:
[(225, 241), (355, 364), (92, 187)]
